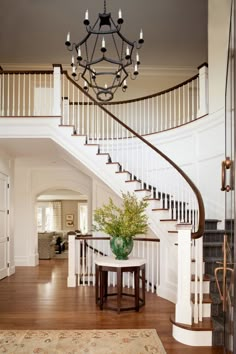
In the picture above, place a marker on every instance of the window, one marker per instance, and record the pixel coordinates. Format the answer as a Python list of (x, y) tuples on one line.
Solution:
[(83, 214), (48, 216)]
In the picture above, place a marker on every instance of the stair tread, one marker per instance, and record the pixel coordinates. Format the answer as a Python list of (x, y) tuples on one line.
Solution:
[(213, 259), (160, 209), (206, 298), (123, 171), (215, 231), (150, 199), (212, 243), (205, 325), (168, 220), (205, 277), (132, 180), (113, 163)]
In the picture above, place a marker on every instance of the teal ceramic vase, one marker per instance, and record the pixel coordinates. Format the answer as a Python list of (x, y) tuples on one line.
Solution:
[(121, 246)]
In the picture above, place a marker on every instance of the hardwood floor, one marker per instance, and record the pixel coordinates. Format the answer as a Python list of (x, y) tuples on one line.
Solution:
[(38, 298)]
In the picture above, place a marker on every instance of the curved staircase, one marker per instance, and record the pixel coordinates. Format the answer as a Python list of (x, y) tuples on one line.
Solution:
[(126, 161)]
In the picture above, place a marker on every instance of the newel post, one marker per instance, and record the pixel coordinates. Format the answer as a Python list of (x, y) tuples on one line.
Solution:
[(71, 279), (57, 69), (203, 90), (183, 308)]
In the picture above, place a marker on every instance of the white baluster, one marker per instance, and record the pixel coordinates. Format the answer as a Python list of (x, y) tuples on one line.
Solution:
[(175, 108), (188, 103), (8, 95), (192, 101), (29, 94), (157, 265), (19, 91), (152, 245), (1, 93)]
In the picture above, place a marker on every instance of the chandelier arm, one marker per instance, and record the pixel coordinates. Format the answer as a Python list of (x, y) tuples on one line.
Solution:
[(104, 58), (118, 28), (94, 49), (110, 31), (125, 39), (132, 76), (83, 41), (97, 87), (137, 45), (90, 29), (78, 77), (71, 47), (86, 51), (118, 54)]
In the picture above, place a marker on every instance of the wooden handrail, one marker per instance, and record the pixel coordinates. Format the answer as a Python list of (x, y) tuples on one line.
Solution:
[(154, 94), (27, 72), (197, 193), (90, 237)]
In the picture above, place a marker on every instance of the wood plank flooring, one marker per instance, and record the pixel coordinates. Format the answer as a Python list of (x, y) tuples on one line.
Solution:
[(38, 298)]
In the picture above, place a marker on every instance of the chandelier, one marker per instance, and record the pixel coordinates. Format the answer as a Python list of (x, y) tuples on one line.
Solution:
[(104, 58)]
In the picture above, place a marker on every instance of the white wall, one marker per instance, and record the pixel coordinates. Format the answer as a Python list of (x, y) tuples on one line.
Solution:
[(218, 31), (199, 149), (30, 182)]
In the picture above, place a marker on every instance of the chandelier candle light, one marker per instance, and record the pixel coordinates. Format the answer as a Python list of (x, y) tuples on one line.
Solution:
[(104, 56)]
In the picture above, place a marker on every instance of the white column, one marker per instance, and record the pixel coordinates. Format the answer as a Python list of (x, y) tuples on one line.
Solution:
[(56, 90), (71, 279), (183, 308), (203, 90)]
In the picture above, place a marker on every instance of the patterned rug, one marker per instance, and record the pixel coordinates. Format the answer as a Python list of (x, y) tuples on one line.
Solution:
[(130, 341)]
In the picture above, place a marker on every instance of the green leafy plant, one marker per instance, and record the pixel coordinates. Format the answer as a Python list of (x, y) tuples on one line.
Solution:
[(127, 221)]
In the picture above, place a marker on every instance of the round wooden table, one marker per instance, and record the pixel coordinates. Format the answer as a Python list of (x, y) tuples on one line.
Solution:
[(110, 264)]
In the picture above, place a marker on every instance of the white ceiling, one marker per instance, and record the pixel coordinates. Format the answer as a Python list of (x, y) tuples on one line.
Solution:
[(33, 32)]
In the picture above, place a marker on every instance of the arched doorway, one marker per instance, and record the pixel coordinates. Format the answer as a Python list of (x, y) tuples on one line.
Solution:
[(59, 211)]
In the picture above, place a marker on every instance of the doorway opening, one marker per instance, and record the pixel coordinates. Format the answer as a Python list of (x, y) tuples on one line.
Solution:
[(59, 211)]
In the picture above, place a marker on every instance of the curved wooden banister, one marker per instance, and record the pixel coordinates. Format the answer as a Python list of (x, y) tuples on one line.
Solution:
[(197, 193), (153, 95), (27, 72)]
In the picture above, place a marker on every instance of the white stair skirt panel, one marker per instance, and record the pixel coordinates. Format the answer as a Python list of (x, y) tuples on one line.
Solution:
[(193, 338)]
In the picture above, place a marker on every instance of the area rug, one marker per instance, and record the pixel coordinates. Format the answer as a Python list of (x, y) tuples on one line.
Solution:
[(115, 341)]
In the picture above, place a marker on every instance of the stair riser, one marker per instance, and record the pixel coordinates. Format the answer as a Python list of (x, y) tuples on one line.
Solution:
[(216, 309), (213, 237), (206, 310), (210, 267), (123, 176), (217, 338), (213, 252), (205, 287), (193, 268), (143, 194), (132, 186), (211, 225)]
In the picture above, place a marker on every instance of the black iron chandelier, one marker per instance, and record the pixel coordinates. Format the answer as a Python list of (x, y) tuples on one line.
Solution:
[(104, 44)]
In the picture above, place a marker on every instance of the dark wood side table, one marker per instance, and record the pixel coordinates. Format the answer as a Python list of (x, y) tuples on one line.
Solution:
[(110, 264)]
